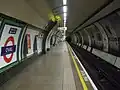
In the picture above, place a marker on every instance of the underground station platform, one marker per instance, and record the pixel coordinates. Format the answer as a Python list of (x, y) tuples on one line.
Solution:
[(58, 69)]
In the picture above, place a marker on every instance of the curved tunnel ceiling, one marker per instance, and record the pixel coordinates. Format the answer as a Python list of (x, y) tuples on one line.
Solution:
[(41, 7), (78, 10)]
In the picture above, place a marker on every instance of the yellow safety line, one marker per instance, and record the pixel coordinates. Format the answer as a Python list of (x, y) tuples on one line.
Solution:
[(78, 71)]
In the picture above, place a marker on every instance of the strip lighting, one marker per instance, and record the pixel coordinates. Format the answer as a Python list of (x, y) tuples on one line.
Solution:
[(65, 15), (64, 9), (64, 24), (64, 2), (65, 12)]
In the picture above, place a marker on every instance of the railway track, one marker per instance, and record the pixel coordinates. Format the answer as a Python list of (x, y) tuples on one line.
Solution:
[(104, 75)]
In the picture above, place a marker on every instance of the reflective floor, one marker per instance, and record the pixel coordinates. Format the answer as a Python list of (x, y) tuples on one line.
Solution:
[(52, 71)]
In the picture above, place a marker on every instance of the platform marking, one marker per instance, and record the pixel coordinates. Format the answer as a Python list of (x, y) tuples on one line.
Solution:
[(91, 81), (84, 75), (78, 71)]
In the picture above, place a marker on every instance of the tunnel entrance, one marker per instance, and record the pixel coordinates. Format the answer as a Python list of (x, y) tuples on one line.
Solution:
[(68, 39)]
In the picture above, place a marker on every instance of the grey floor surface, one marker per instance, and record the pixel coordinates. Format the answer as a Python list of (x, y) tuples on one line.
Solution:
[(51, 71)]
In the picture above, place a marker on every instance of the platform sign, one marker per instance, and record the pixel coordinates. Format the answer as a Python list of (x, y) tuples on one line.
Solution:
[(8, 45), (8, 49)]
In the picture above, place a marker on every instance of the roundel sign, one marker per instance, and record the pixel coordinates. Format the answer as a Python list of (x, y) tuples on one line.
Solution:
[(8, 49)]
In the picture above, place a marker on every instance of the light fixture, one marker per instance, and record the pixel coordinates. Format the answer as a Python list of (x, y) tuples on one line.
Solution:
[(64, 9), (64, 2), (65, 15), (65, 12), (64, 24), (65, 21)]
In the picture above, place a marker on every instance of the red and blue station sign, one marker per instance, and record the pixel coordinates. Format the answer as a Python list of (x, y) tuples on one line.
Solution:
[(8, 49)]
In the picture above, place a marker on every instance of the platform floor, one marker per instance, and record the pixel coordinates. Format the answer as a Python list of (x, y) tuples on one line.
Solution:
[(52, 71)]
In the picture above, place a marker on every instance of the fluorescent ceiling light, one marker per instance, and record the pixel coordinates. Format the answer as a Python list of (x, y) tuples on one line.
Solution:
[(65, 21), (65, 12), (64, 2), (65, 15), (64, 8)]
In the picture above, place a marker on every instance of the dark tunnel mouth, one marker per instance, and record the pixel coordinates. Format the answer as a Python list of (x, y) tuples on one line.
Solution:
[(68, 39)]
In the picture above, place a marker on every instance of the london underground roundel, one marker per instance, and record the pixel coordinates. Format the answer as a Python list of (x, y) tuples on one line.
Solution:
[(8, 49)]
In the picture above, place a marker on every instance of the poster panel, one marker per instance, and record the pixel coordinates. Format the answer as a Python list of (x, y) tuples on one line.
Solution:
[(8, 44), (30, 40)]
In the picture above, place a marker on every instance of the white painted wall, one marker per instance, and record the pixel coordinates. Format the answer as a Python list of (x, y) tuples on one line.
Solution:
[(21, 10)]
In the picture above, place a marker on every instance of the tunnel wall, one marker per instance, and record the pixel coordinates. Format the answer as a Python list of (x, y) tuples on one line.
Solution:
[(53, 38), (102, 38), (21, 37), (18, 41), (50, 37), (115, 4)]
